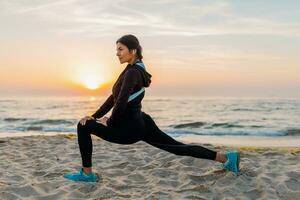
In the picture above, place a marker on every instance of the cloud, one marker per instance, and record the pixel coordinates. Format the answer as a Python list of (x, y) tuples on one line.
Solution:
[(155, 18)]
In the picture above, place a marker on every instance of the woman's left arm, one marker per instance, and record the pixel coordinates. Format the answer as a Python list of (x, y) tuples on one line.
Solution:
[(128, 83)]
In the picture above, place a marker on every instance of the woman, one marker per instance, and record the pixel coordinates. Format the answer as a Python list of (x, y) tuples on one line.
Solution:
[(128, 124)]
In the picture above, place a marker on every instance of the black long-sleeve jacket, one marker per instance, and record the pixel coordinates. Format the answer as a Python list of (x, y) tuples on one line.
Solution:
[(131, 80)]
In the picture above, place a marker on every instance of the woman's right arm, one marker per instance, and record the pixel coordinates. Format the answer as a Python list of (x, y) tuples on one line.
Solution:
[(105, 108)]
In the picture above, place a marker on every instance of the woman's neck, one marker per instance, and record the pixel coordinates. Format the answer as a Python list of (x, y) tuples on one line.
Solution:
[(134, 60)]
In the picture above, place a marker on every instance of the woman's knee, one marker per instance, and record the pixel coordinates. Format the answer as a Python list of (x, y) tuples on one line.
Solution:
[(80, 128), (79, 125)]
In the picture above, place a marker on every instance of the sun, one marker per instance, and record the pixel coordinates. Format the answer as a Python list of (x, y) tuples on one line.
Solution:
[(90, 76), (92, 84), (92, 81)]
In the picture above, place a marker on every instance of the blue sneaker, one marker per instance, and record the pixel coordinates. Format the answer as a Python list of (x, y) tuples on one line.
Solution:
[(81, 176), (233, 162)]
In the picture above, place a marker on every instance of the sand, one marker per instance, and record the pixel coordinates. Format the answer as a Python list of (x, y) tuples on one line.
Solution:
[(32, 168)]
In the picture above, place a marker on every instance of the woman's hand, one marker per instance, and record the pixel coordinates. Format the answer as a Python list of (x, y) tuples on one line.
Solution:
[(83, 120), (102, 120)]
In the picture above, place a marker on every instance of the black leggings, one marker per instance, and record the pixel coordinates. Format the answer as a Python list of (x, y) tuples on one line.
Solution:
[(147, 131)]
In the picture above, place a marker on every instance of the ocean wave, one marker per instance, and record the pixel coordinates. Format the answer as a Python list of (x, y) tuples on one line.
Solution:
[(293, 132), (189, 125), (227, 125), (228, 133), (214, 125), (220, 124), (231, 125), (256, 126), (34, 128), (12, 119), (245, 109), (38, 129), (51, 122), (60, 129)]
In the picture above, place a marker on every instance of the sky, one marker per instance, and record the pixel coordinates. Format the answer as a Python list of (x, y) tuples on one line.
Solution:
[(192, 48)]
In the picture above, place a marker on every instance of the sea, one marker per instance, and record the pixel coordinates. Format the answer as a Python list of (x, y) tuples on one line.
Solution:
[(176, 116)]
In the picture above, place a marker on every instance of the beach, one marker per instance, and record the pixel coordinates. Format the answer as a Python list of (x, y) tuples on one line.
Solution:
[(224, 75), (32, 167)]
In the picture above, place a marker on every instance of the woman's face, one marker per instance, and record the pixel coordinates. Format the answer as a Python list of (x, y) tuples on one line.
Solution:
[(124, 54)]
